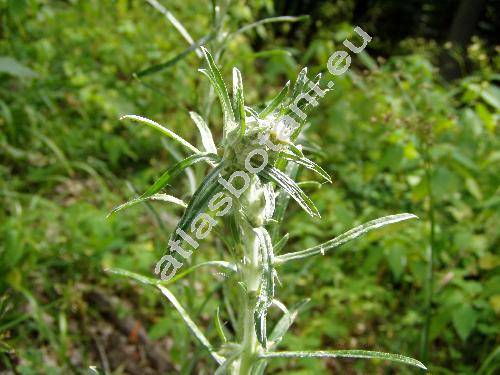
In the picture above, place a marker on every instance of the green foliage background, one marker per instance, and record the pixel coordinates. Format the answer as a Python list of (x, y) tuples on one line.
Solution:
[(66, 76)]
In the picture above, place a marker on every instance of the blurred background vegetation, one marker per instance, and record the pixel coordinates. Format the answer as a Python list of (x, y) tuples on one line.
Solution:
[(413, 127)]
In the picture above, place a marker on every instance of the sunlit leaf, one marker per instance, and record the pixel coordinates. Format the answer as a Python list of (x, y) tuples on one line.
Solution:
[(366, 354), (275, 102), (162, 130), (285, 323), (205, 133), (238, 99), (309, 164), (345, 237), (207, 189), (157, 197), (286, 183)]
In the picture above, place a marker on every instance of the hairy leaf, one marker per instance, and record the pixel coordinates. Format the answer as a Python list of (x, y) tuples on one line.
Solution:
[(162, 130), (205, 133), (309, 164), (239, 100), (345, 237), (207, 189), (345, 354), (286, 183)]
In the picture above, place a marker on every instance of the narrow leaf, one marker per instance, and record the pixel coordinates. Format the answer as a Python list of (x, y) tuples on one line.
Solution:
[(345, 237), (214, 75), (275, 102), (162, 130), (174, 60), (282, 201), (346, 354), (309, 164), (266, 291), (205, 133), (174, 21), (152, 281), (285, 323), (219, 326), (207, 189), (157, 197), (286, 183), (174, 171), (239, 100), (164, 180)]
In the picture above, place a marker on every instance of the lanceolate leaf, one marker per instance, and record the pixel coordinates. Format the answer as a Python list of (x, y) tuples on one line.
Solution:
[(275, 102), (157, 197), (299, 83), (214, 75), (162, 130), (345, 354), (345, 237), (229, 267), (309, 164), (286, 183), (208, 188), (152, 281), (282, 201), (238, 100), (205, 133), (165, 179), (176, 170)]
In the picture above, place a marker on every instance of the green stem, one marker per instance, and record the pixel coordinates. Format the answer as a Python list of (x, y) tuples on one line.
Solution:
[(251, 275)]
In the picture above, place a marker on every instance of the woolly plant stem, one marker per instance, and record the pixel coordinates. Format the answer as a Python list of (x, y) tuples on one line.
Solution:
[(251, 275)]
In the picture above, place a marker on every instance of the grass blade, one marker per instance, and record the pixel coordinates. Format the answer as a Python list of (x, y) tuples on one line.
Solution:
[(174, 21), (162, 130), (366, 354), (345, 237), (264, 21), (206, 135), (171, 62)]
